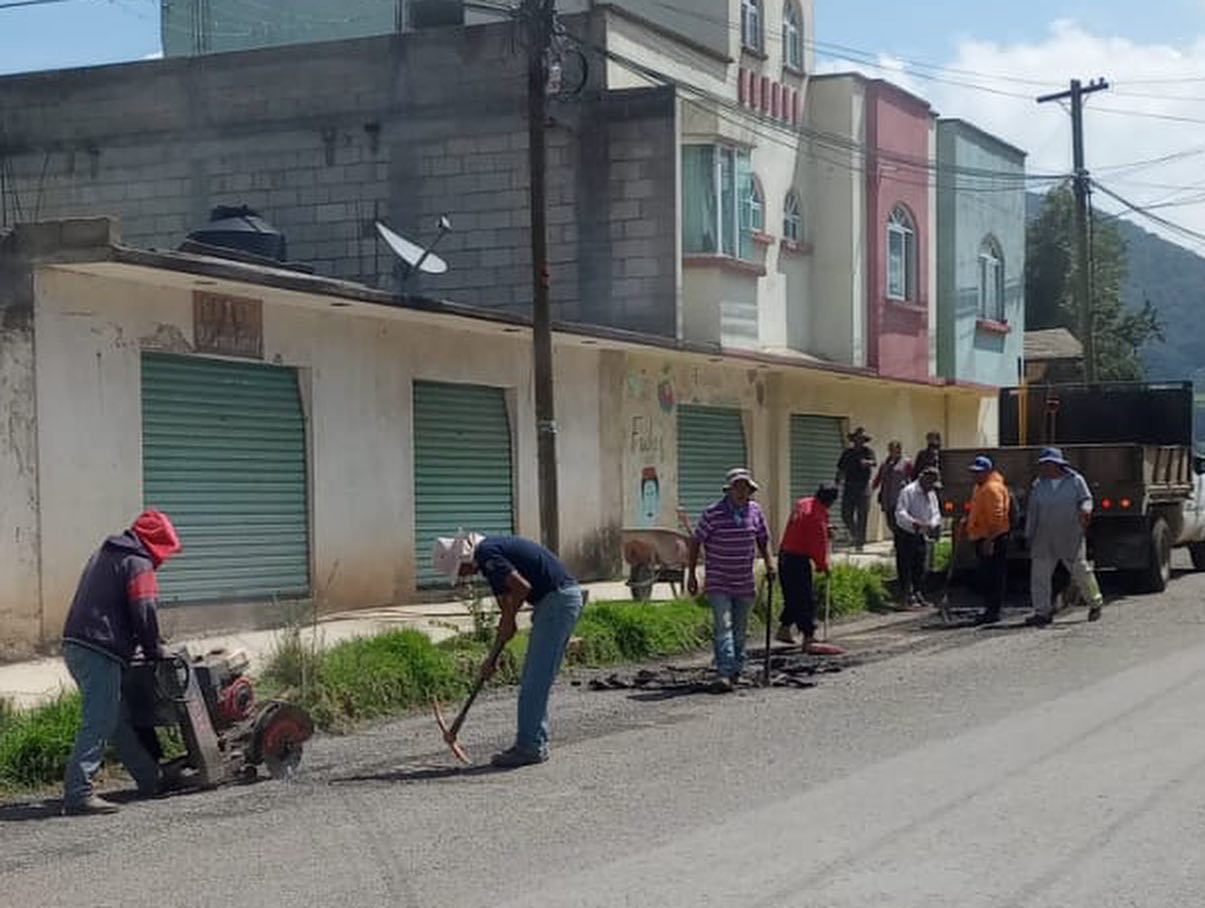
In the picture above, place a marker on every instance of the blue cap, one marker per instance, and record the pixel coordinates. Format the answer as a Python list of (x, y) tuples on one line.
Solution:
[(1053, 455), (982, 464)]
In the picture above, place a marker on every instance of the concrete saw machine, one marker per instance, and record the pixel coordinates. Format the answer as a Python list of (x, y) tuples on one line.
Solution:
[(228, 734)]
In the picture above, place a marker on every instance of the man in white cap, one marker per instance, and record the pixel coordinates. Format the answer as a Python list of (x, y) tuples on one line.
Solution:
[(733, 531), (519, 570), (1057, 515)]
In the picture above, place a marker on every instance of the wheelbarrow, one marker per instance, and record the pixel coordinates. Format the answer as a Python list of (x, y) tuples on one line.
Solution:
[(654, 555)]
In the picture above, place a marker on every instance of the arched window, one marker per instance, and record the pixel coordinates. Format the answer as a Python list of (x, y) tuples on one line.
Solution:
[(991, 280), (752, 35), (792, 219), (753, 214), (792, 36), (901, 255)]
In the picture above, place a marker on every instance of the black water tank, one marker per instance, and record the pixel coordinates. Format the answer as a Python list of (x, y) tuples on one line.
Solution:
[(242, 229), (436, 13)]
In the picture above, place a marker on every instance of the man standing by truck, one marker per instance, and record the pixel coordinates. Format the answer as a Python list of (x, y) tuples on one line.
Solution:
[(917, 518), (1057, 515), (987, 529), (854, 469)]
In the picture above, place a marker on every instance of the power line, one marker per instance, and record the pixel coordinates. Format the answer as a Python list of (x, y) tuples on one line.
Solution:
[(1145, 211), (13, 4)]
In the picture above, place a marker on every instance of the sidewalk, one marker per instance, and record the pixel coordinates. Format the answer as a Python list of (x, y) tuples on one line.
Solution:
[(30, 683), (27, 684)]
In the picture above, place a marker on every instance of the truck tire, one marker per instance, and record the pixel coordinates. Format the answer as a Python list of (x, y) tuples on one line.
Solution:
[(1158, 572), (1196, 551)]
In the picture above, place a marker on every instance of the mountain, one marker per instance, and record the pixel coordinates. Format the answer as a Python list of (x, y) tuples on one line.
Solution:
[(1173, 279)]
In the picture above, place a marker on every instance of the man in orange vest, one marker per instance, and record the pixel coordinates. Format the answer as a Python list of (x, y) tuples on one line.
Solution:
[(987, 528)]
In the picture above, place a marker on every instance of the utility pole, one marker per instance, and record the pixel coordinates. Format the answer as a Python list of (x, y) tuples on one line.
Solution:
[(1083, 254), (540, 17)]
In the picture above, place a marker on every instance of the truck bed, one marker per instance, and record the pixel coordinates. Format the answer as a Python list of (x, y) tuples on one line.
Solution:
[(1125, 479)]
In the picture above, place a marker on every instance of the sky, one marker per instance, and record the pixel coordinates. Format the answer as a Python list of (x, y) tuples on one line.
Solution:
[(981, 62)]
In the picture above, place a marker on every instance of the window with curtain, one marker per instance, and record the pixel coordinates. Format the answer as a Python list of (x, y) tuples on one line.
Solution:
[(753, 213), (718, 207), (901, 256), (751, 25), (792, 219), (792, 36), (991, 281)]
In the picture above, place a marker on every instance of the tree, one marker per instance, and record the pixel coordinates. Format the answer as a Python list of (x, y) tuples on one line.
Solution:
[(1050, 276)]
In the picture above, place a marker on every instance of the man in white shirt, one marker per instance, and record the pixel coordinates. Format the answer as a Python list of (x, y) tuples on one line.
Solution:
[(917, 517)]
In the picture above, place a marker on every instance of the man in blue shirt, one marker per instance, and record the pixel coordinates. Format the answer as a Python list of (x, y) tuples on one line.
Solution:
[(518, 570)]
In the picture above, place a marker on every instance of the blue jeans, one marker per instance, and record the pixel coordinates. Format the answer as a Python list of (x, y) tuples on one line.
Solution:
[(731, 624), (106, 721), (552, 622)]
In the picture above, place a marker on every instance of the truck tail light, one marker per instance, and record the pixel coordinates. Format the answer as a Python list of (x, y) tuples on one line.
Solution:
[(1126, 504), (966, 507), (949, 507), (1107, 504)]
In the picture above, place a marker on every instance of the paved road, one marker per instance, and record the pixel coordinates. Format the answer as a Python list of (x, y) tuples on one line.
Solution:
[(1063, 767)]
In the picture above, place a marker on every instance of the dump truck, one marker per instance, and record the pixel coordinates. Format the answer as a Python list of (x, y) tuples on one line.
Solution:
[(1132, 442)]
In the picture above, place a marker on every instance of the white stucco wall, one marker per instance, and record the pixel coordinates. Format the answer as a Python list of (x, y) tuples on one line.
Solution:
[(20, 615), (356, 372), (838, 216)]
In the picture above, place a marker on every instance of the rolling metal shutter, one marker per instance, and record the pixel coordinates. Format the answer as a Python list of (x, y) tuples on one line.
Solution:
[(816, 446), (711, 441), (463, 478), (224, 455)]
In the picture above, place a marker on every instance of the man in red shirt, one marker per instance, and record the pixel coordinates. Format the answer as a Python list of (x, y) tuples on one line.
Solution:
[(804, 543)]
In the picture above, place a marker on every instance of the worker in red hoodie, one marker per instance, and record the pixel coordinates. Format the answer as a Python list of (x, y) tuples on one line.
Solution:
[(805, 544), (113, 616)]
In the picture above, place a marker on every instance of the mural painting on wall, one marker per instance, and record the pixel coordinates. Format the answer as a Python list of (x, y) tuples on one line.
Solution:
[(648, 439), (650, 497)]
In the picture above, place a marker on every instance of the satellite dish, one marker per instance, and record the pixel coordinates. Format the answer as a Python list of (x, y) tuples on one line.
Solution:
[(416, 257)]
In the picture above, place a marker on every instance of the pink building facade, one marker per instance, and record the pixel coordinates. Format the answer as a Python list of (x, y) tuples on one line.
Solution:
[(900, 138)]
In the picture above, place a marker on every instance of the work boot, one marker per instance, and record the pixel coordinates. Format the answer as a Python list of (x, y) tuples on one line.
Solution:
[(1094, 612), (514, 757), (1036, 620), (722, 686), (93, 804), (786, 634)]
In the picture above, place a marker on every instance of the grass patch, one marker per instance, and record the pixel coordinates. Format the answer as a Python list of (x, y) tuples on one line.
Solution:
[(942, 553), (614, 632), (854, 589), (35, 744)]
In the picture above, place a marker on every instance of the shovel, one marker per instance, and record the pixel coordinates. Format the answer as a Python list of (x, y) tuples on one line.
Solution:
[(451, 732), (769, 624)]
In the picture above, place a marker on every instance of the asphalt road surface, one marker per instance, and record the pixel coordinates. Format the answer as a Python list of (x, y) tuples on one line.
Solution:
[(1060, 767)]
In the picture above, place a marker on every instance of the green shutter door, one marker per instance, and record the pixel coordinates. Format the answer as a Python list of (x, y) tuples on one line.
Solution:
[(711, 441), (224, 455), (463, 477), (816, 446)]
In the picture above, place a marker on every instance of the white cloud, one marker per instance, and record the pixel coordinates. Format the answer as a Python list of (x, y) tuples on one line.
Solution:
[(1145, 79)]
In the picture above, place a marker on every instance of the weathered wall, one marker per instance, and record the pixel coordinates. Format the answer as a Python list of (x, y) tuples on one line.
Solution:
[(654, 386), (324, 138), (20, 612), (356, 370), (971, 208)]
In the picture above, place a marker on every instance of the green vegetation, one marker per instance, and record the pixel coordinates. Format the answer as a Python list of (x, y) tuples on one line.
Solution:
[(390, 673), (1122, 332), (35, 744)]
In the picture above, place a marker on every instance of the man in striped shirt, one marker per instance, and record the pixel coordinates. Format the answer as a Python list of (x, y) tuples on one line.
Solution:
[(732, 531)]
